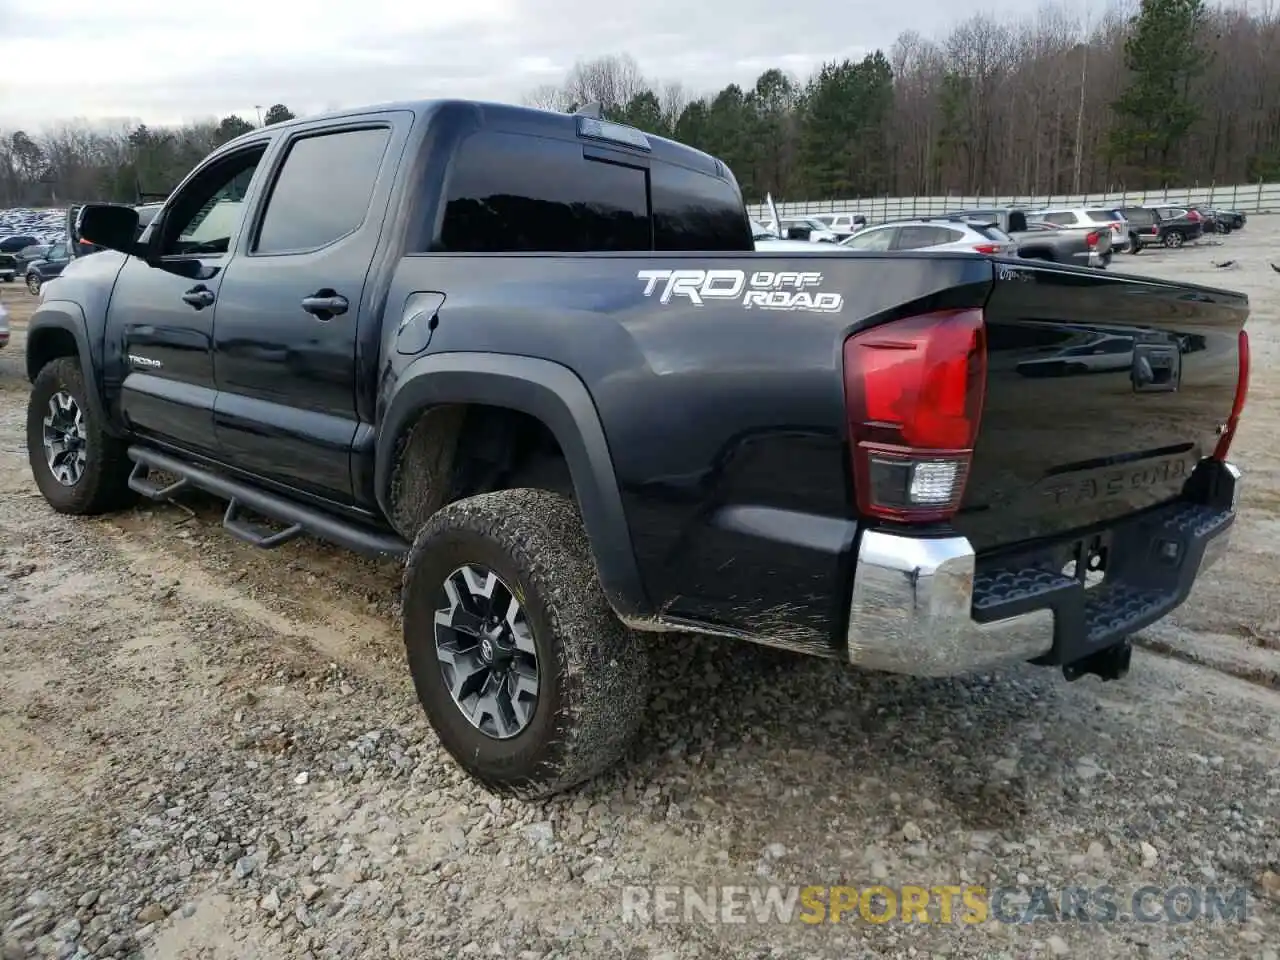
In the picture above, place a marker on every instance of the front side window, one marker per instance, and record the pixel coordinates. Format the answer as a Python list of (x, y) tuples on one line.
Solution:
[(872, 239), (322, 192), (198, 222), (509, 193)]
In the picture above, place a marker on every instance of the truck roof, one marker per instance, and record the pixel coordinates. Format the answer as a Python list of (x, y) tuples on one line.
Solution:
[(515, 119)]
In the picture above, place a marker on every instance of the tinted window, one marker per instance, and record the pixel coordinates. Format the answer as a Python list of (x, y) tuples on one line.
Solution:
[(511, 193), (1100, 216), (915, 237), (693, 211), (1060, 218), (1138, 215), (322, 192), (872, 239)]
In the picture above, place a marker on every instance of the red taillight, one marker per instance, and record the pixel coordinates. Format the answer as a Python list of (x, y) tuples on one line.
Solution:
[(1092, 239), (1155, 230), (1193, 215), (1115, 226), (1237, 405), (914, 391), (987, 247)]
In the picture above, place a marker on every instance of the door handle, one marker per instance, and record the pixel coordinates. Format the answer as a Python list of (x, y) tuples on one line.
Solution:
[(199, 297), (325, 304)]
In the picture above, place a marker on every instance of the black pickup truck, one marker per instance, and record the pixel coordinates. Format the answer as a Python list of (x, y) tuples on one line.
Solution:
[(536, 356)]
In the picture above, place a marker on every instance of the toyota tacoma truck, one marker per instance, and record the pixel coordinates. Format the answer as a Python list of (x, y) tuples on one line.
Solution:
[(536, 356)]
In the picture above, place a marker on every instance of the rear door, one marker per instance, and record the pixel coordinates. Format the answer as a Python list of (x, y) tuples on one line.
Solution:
[(292, 302), (918, 236)]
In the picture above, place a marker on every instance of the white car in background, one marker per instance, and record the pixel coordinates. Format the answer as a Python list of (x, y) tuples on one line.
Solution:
[(1086, 219), (842, 224), (934, 233), (769, 242), (806, 228)]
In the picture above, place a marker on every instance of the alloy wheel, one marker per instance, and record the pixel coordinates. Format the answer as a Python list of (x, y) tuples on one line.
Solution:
[(65, 440), (486, 651)]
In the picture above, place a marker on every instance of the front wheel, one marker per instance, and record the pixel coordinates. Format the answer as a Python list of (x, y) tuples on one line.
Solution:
[(525, 673), (1173, 239), (78, 466)]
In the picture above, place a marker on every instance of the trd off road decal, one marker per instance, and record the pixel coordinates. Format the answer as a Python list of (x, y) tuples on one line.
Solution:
[(758, 289)]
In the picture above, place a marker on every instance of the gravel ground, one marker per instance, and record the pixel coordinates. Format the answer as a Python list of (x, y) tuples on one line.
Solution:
[(211, 752)]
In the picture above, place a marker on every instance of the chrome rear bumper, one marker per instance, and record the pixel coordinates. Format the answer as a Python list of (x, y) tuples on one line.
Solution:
[(913, 598)]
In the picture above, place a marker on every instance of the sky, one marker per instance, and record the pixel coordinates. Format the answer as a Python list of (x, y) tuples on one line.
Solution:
[(162, 62)]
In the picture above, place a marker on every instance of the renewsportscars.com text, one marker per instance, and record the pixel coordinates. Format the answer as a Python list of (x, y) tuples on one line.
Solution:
[(945, 904)]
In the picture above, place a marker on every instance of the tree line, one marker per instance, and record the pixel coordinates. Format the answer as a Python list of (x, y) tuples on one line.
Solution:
[(74, 163), (1161, 93)]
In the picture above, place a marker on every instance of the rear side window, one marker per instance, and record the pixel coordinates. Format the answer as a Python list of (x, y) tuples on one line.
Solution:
[(1062, 219), (1139, 216), (1101, 216), (322, 192), (915, 237), (694, 211), (517, 194)]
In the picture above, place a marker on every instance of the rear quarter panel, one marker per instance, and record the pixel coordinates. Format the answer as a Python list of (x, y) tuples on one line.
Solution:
[(725, 422)]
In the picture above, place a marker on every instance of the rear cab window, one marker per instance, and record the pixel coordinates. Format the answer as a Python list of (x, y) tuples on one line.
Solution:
[(522, 193)]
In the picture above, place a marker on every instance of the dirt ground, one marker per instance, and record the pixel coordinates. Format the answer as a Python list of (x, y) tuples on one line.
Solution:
[(208, 751)]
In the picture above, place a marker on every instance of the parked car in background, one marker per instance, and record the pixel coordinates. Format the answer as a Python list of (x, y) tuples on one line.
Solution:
[(806, 228), (934, 233), (842, 224), (4, 326), (1039, 240), (8, 267), (766, 241), (1178, 226), (1087, 219), (1144, 228), (1230, 219), (15, 242), (28, 255), (40, 272)]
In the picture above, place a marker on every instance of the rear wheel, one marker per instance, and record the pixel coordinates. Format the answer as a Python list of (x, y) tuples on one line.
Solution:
[(78, 466), (33, 284), (525, 673), (1135, 245), (1173, 239)]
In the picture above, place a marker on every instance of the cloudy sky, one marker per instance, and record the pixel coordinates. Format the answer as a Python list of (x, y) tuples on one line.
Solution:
[(165, 62)]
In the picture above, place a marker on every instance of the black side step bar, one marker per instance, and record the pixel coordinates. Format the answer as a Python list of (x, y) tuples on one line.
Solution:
[(299, 518)]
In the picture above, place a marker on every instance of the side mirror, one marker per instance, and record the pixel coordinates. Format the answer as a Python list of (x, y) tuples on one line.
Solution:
[(112, 226)]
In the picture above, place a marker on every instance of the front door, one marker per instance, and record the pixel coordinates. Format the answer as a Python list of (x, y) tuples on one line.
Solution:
[(291, 303), (160, 325)]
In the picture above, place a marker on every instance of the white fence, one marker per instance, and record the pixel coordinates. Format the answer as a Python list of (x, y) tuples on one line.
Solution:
[(1247, 198)]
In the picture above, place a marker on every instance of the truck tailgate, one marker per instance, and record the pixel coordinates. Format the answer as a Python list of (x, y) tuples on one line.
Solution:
[(1103, 392)]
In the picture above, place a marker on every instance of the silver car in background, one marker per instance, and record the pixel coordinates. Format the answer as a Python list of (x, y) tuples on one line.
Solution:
[(4, 326), (1086, 219), (934, 233)]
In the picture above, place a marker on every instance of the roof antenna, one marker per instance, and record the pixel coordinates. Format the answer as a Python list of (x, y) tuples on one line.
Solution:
[(594, 110)]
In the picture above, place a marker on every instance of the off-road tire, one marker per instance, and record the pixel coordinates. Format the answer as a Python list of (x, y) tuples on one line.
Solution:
[(104, 485), (593, 672)]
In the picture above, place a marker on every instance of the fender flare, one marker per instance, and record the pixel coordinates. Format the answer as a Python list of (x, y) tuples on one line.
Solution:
[(67, 316), (553, 394)]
